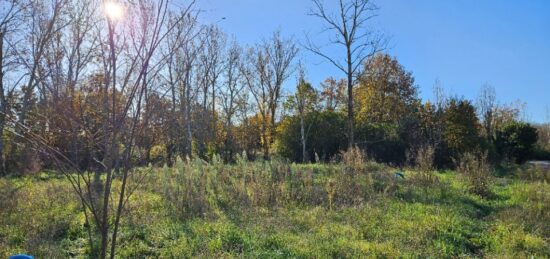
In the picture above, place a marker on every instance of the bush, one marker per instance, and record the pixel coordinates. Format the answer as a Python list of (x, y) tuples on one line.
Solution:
[(477, 171), (534, 173), (359, 180), (424, 162), (516, 141), (382, 142), (280, 210), (353, 183), (541, 154), (325, 136), (461, 131), (158, 154)]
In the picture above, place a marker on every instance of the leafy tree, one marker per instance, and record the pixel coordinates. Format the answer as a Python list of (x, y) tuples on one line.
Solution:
[(431, 125), (333, 94), (386, 91), (326, 140), (517, 141), (249, 134), (387, 107), (461, 131)]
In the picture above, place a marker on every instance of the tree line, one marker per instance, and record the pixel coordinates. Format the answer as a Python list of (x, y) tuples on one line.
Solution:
[(159, 84)]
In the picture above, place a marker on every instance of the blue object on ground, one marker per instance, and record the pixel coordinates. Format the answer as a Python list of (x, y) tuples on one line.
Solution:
[(21, 257), (399, 175)]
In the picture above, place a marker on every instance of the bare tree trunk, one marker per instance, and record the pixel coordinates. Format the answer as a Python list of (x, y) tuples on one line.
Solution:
[(265, 138), (189, 146), (111, 153), (3, 106), (350, 110), (126, 167), (214, 123), (172, 131), (303, 137)]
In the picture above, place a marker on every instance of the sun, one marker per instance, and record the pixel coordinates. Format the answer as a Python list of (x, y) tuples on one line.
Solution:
[(113, 10)]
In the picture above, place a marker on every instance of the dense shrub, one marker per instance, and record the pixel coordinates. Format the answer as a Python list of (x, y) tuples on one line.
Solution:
[(541, 154), (516, 141), (324, 132), (382, 142), (461, 131)]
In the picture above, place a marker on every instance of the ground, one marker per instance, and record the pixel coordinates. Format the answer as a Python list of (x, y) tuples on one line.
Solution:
[(309, 216)]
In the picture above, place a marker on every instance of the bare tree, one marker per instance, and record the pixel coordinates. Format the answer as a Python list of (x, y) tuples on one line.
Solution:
[(433, 118), (210, 69), (254, 69), (486, 104), (43, 24), (546, 133), (10, 25), (508, 112), (181, 68), (350, 25), (182, 49), (151, 21), (230, 93), (441, 97), (281, 54), (268, 65), (129, 63), (66, 59)]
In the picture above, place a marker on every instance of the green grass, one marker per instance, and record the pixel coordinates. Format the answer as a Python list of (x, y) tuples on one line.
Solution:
[(41, 216)]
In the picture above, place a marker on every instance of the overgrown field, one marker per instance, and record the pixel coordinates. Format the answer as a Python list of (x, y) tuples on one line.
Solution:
[(278, 210)]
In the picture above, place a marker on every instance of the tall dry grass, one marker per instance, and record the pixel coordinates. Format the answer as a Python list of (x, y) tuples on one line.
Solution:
[(477, 171)]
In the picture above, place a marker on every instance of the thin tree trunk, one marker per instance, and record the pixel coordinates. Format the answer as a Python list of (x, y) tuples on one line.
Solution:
[(303, 135), (214, 110), (3, 106), (127, 155), (350, 99), (189, 146), (265, 140), (112, 154)]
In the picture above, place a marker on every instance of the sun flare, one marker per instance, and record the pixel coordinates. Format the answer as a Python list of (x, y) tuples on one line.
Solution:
[(113, 10)]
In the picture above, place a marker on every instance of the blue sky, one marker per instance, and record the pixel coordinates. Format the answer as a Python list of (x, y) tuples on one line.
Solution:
[(462, 43)]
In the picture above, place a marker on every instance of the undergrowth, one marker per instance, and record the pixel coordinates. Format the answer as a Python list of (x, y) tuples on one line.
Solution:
[(275, 209)]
